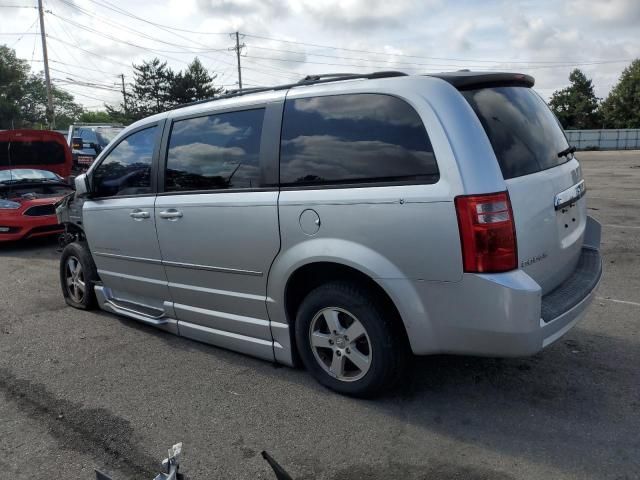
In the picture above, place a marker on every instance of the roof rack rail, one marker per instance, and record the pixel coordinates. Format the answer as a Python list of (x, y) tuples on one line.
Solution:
[(308, 80), (333, 77)]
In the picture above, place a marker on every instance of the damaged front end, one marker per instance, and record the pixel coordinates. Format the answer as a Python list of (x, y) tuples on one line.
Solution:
[(69, 214)]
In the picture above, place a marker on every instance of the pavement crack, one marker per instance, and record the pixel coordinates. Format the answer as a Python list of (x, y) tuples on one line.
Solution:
[(97, 432)]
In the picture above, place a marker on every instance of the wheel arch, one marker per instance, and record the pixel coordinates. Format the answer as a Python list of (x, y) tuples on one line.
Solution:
[(339, 257)]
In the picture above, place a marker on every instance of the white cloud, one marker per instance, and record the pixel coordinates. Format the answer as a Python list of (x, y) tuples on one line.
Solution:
[(444, 35), (617, 12)]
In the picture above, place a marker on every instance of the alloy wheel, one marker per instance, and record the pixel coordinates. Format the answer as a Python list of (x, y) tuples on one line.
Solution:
[(340, 344), (74, 276)]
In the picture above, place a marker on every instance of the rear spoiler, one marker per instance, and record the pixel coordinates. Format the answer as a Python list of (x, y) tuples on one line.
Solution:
[(466, 80)]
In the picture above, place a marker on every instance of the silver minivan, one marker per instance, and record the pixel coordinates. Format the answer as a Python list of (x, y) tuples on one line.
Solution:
[(345, 221)]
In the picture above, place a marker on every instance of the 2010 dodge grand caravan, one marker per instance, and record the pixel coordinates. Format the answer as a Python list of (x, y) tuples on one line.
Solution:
[(343, 220)]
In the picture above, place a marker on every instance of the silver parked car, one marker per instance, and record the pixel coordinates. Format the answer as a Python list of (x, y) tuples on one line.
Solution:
[(345, 221)]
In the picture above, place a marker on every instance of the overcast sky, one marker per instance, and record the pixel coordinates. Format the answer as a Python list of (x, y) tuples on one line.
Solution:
[(96, 40)]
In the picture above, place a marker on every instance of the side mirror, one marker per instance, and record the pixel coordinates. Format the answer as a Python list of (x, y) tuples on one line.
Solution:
[(77, 143), (82, 185)]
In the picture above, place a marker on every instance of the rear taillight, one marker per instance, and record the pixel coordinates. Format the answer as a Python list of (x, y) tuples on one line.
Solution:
[(487, 233)]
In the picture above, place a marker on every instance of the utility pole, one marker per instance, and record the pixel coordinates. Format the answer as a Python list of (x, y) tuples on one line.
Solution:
[(124, 94), (50, 114), (238, 48)]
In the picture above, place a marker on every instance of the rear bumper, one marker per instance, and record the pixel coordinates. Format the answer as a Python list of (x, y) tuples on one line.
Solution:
[(503, 315), (564, 306)]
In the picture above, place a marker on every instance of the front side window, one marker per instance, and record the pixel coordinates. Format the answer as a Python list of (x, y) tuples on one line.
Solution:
[(127, 168), (354, 138), (215, 152)]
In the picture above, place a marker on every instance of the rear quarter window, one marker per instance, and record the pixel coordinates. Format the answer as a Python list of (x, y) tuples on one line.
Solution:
[(342, 139), (525, 135)]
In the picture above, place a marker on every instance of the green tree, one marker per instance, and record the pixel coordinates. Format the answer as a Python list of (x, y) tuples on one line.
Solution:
[(23, 96), (621, 109), (13, 75), (33, 104), (195, 83), (101, 116), (151, 88), (576, 106), (119, 115)]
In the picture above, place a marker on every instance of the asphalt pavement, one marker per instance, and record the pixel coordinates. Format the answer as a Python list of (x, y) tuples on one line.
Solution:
[(84, 390)]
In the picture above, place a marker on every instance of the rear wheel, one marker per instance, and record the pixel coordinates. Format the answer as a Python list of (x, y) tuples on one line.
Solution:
[(348, 340), (78, 276)]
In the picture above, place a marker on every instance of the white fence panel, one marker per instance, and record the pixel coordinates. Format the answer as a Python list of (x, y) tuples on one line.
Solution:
[(612, 139)]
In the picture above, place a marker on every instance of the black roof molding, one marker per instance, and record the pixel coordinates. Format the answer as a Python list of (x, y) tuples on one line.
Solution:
[(466, 80)]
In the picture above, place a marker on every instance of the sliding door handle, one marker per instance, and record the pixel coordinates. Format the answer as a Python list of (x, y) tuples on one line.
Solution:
[(138, 214), (171, 214)]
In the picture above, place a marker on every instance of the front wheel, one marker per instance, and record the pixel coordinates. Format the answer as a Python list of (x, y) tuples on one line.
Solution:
[(78, 276), (349, 341)]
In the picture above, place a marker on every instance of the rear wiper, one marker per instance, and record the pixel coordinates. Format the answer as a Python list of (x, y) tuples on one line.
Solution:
[(566, 152)]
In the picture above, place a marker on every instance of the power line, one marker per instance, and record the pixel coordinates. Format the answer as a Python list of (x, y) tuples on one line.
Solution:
[(522, 67), (87, 82), (66, 82), (33, 52), (165, 28), (22, 36), (395, 62), (122, 11), (414, 56), (283, 73), (78, 62), (110, 37), (85, 95), (124, 27), (76, 43), (81, 67), (89, 52), (89, 29)]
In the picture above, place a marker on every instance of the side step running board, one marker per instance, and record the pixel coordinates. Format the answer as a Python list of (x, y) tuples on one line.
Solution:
[(149, 315)]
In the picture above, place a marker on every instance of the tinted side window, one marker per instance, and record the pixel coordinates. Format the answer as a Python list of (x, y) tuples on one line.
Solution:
[(523, 132), (127, 168), (215, 152), (354, 138)]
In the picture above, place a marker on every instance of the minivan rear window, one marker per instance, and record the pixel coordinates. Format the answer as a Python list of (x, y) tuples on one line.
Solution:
[(525, 135), (31, 153), (354, 138)]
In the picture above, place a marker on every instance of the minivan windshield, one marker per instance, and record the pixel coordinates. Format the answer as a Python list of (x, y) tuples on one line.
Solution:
[(524, 133)]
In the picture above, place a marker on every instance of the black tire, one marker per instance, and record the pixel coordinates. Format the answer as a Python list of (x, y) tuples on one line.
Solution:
[(79, 251), (388, 352)]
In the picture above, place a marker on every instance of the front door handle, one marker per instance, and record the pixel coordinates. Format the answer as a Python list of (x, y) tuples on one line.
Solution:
[(171, 214), (138, 214)]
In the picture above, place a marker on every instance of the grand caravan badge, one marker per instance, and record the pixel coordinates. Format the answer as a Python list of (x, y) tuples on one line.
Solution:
[(532, 260)]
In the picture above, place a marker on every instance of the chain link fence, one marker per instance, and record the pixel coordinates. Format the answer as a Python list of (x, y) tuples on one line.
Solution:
[(619, 139)]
